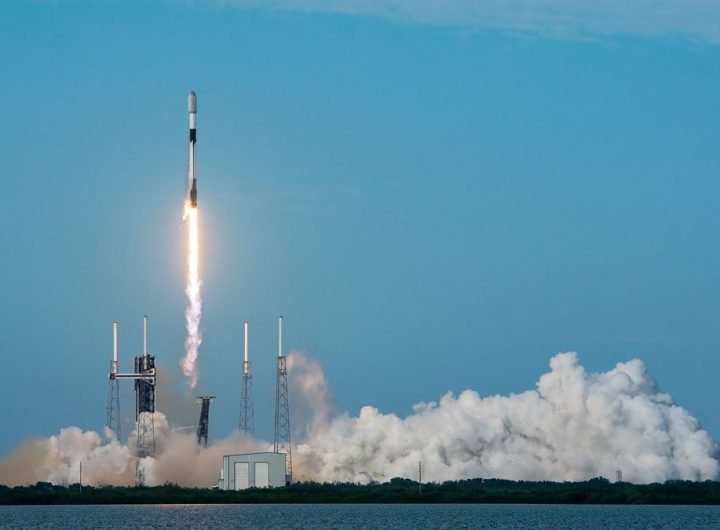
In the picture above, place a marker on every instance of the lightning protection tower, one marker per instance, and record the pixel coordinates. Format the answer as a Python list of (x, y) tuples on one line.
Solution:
[(282, 409), (247, 412), (204, 423), (113, 401)]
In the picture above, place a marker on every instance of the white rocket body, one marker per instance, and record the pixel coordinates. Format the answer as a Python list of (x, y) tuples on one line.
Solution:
[(192, 177)]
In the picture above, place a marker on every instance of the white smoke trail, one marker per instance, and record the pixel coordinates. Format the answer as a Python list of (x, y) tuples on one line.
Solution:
[(574, 426), (193, 311)]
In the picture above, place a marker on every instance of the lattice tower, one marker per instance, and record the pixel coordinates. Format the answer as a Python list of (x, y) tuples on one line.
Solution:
[(282, 409)]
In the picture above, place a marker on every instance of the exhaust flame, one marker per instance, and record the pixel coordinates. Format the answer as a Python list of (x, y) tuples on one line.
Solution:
[(193, 311)]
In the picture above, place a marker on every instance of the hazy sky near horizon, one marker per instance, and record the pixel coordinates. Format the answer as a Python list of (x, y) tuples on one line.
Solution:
[(435, 198)]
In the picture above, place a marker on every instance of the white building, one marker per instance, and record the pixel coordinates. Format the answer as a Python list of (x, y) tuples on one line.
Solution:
[(252, 470)]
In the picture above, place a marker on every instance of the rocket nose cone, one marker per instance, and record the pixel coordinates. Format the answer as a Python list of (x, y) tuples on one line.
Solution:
[(192, 102)]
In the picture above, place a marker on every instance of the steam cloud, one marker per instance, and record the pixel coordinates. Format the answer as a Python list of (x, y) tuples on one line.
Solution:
[(574, 426), (106, 461)]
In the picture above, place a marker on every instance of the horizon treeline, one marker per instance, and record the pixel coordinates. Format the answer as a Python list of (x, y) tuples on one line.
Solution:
[(487, 491)]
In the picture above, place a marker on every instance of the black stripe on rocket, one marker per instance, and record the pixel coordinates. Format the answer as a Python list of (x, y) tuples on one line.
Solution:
[(193, 189)]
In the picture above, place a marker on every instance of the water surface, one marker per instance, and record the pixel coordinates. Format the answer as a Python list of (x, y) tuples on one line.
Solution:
[(360, 516)]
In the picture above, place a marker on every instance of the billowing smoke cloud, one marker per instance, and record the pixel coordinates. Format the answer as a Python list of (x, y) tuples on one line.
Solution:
[(312, 403), (574, 426), (57, 460), (106, 461)]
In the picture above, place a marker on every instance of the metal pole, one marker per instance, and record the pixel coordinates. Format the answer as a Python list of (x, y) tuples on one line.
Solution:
[(115, 348), (245, 366), (420, 478), (280, 336)]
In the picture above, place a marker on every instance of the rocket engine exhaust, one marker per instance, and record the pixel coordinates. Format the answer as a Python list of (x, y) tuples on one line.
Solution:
[(193, 311)]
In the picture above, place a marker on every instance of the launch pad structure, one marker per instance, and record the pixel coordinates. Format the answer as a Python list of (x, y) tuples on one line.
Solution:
[(204, 423), (145, 378)]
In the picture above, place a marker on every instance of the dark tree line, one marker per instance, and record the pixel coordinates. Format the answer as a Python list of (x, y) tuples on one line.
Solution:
[(595, 491)]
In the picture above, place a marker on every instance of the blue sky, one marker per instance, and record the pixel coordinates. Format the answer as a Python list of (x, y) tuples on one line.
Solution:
[(434, 202)]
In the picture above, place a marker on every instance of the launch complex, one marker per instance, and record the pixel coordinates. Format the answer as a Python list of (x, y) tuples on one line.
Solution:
[(266, 467)]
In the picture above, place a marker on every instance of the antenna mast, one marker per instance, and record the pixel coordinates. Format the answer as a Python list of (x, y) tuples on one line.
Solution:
[(247, 412), (113, 401)]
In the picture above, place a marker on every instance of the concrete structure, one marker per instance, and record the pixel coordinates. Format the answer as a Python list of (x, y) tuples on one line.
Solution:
[(252, 470)]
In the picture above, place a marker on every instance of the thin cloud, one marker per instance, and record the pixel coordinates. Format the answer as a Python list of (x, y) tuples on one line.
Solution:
[(693, 19)]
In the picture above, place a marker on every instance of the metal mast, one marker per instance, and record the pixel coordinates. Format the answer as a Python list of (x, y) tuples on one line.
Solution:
[(204, 423), (247, 412), (113, 401), (282, 409)]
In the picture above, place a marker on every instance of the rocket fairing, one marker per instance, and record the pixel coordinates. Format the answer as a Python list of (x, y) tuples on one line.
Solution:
[(192, 177)]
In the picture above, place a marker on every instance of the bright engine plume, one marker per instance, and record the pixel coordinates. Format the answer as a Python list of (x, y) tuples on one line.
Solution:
[(193, 311)]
